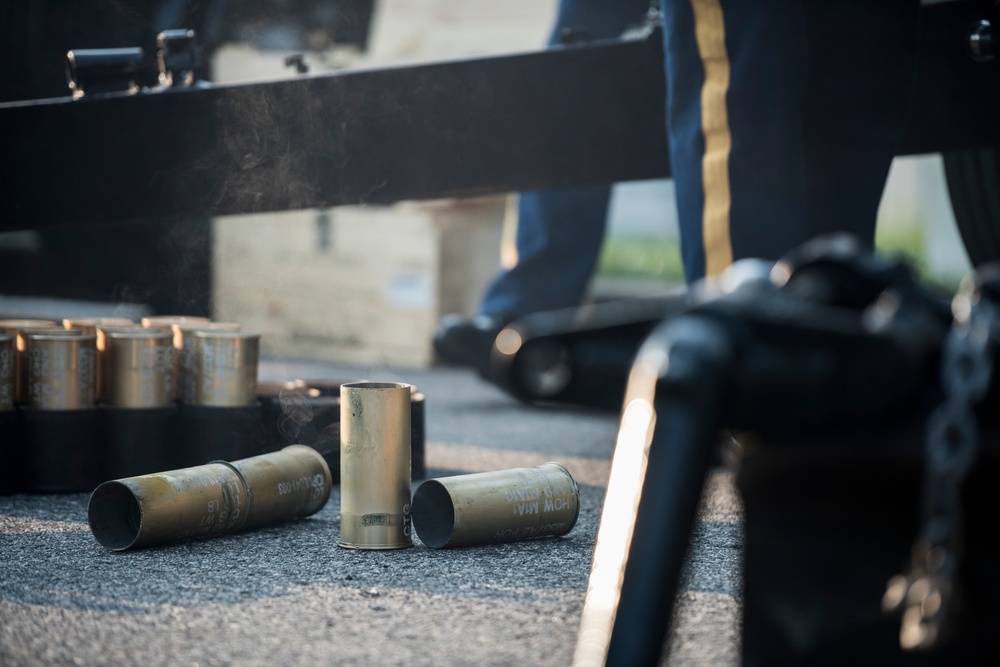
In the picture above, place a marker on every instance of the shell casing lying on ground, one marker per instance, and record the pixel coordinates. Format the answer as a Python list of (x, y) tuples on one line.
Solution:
[(62, 368), (14, 328), (292, 482), (185, 345), (224, 368), (375, 465), (500, 506), (140, 366), (8, 378), (207, 500)]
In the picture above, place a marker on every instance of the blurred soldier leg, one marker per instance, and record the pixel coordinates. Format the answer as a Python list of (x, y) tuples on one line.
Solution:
[(559, 232)]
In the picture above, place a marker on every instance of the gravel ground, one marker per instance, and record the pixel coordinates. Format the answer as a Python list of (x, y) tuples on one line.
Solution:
[(288, 595)]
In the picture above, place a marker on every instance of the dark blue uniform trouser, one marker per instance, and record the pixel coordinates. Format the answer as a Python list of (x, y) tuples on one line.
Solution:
[(560, 231), (783, 116)]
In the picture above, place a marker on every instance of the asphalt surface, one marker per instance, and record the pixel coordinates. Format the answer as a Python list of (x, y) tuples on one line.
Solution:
[(288, 595)]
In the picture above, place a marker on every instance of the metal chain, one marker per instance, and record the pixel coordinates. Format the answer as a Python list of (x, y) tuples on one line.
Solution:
[(928, 595)]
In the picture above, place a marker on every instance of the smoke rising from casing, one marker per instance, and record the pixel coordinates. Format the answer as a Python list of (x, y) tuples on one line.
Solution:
[(295, 413)]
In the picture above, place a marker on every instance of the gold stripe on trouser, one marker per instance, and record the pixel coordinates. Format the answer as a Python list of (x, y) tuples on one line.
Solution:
[(710, 33), (508, 236)]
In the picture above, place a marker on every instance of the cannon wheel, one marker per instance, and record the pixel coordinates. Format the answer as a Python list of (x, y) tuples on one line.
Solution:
[(973, 178)]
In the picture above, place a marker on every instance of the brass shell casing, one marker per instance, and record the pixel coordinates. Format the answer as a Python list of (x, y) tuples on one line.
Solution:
[(184, 344), (213, 499), (224, 368), (292, 482), (8, 376), (140, 368), (375, 465), (14, 328), (92, 325), (499, 506), (62, 366), (102, 330), (167, 323)]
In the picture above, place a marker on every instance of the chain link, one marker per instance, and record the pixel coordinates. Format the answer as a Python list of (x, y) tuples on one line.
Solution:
[(928, 595)]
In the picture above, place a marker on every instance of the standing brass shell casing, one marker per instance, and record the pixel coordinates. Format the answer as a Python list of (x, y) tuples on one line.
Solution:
[(185, 345), (499, 506), (169, 323), (140, 368), (8, 377), (207, 500), (225, 368), (62, 368), (14, 328), (102, 330), (93, 325), (375, 465)]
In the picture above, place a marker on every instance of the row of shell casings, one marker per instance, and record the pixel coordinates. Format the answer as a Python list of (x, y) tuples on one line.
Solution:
[(126, 364)]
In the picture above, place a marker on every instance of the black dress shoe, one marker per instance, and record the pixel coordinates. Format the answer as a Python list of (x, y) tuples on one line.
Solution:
[(468, 342)]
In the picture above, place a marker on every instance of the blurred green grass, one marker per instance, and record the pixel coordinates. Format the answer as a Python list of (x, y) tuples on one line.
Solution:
[(639, 257), (659, 259), (907, 241)]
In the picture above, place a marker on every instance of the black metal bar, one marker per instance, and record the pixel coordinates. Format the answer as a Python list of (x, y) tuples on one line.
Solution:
[(571, 115), (672, 409), (566, 116)]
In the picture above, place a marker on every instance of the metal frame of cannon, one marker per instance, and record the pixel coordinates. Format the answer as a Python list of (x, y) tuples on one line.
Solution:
[(578, 114)]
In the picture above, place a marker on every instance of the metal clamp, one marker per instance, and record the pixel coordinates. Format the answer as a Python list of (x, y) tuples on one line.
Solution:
[(178, 56), (90, 71)]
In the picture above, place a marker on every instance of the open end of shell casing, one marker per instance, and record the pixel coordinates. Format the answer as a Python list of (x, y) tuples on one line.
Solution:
[(435, 523)]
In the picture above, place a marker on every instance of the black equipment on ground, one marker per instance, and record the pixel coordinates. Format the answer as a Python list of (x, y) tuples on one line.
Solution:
[(824, 367)]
